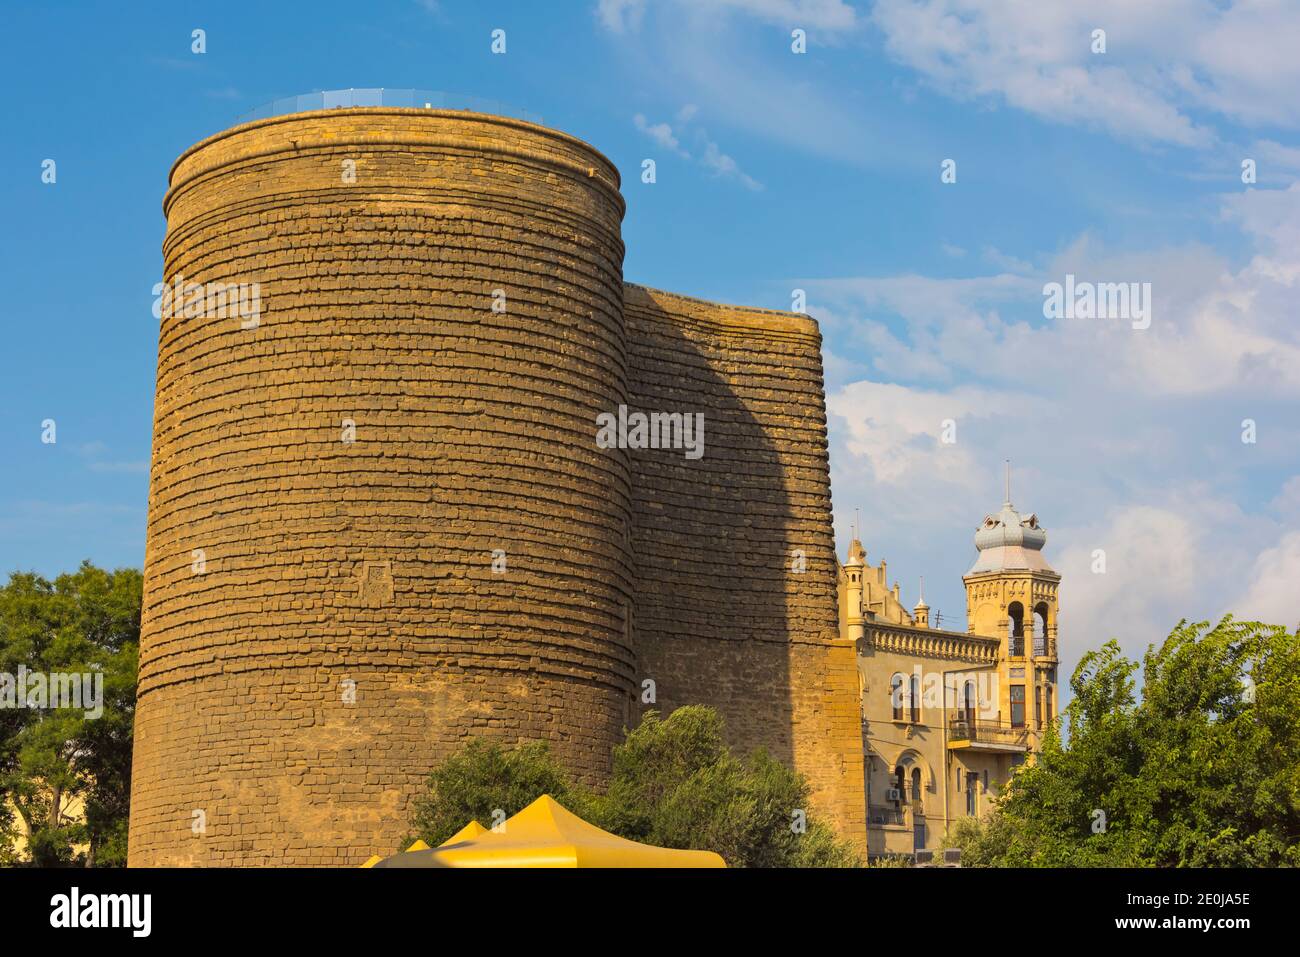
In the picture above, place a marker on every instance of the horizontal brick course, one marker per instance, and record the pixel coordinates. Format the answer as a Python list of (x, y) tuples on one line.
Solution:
[(329, 562)]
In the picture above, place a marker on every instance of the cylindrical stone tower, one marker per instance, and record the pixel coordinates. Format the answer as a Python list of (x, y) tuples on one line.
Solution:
[(379, 523)]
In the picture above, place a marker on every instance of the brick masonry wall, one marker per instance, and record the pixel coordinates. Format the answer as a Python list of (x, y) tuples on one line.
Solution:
[(721, 615), (330, 562), (347, 629)]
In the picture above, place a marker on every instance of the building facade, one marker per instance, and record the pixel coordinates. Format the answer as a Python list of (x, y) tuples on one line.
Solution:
[(947, 715)]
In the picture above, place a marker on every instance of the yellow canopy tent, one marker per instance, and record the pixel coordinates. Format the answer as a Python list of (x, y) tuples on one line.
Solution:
[(544, 834), (467, 833), (419, 845)]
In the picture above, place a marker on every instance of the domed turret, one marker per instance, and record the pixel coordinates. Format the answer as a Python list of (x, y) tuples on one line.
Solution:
[(1008, 541), (921, 613)]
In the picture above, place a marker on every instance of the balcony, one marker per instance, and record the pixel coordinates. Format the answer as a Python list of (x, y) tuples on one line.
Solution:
[(1041, 647), (885, 815), (966, 732)]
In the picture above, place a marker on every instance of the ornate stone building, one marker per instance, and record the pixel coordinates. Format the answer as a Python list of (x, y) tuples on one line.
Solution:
[(379, 519), (948, 715)]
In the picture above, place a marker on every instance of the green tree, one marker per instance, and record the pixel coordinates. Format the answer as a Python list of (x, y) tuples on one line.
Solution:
[(87, 622), (1203, 769), (674, 784), (482, 780)]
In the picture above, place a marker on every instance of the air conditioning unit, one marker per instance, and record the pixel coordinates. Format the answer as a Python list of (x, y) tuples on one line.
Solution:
[(893, 794)]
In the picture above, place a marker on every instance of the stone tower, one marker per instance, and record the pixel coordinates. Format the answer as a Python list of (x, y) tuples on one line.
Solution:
[(1011, 594), (379, 522), (921, 611), (855, 622)]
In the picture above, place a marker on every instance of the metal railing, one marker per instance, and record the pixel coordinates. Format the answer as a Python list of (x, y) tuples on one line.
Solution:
[(963, 728), (383, 96), (879, 814), (1042, 647)]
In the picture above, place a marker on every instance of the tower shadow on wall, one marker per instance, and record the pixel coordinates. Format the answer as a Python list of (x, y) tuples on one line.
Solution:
[(717, 604)]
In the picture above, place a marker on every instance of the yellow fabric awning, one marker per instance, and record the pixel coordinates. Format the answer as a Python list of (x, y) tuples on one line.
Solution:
[(545, 834), (467, 833)]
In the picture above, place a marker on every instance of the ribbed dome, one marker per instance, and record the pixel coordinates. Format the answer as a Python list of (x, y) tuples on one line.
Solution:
[(1007, 541), (1008, 528)]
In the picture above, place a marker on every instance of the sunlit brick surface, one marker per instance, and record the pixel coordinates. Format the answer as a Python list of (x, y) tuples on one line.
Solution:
[(370, 561)]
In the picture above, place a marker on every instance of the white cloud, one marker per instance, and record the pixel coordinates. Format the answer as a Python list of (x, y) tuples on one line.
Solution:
[(827, 15), (725, 166), (694, 52), (1274, 157), (1272, 595), (896, 431), (1214, 329), (1164, 59), (1121, 439), (661, 133), (1154, 557), (711, 155), (620, 16)]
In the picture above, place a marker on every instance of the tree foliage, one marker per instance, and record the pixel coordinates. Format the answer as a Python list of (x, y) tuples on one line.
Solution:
[(674, 784), (51, 759), (1201, 769), (486, 783)]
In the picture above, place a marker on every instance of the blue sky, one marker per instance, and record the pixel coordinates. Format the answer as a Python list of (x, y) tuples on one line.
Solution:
[(776, 171)]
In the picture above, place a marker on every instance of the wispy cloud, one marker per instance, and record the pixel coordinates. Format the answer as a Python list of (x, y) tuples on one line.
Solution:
[(694, 53), (661, 133), (710, 156), (827, 16), (1128, 442), (1163, 60)]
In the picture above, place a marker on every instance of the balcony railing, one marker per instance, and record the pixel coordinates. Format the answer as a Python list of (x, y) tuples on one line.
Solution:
[(975, 730), (878, 814), (1042, 647), (418, 99)]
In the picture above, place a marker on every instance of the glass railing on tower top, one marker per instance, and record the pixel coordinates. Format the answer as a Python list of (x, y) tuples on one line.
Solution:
[(382, 96)]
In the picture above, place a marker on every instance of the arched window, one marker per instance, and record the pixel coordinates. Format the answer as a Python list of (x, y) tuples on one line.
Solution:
[(1016, 629), (968, 705), (916, 790), (896, 696), (1040, 628), (914, 697)]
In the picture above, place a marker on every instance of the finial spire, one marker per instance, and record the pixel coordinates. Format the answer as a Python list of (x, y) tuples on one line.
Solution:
[(921, 592), (857, 523), (1008, 499)]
